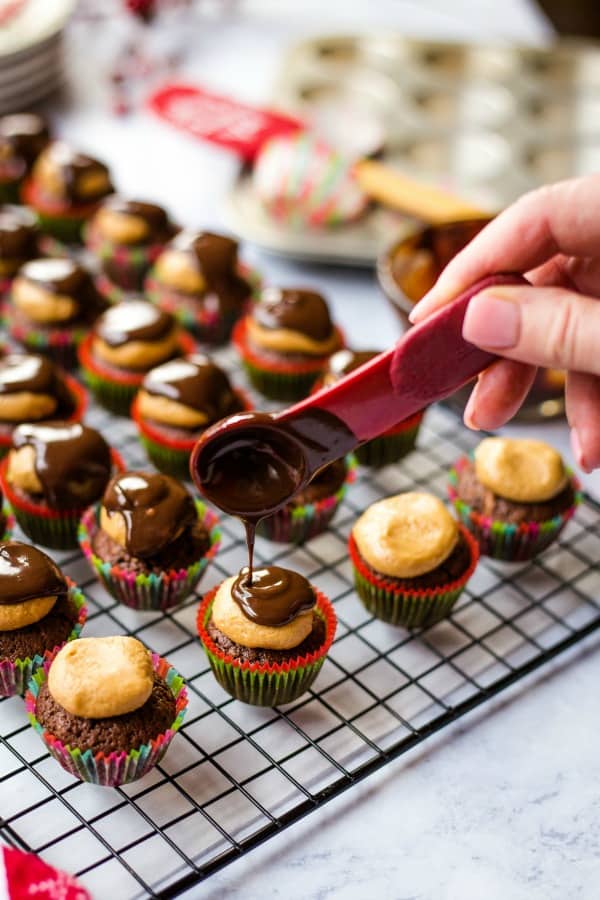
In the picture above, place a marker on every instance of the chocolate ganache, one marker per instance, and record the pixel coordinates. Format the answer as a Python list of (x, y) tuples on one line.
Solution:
[(272, 596), (72, 166), (133, 320), (27, 132), (64, 276), (155, 508), (196, 382), (154, 216), (18, 233), (35, 374), (26, 574), (215, 257), (72, 462), (297, 310)]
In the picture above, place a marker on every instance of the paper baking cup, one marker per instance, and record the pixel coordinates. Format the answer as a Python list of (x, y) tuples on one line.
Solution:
[(271, 684), (297, 524), (505, 540), (16, 675), (115, 388), (208, 325), (53, 528), (278, 379), (59, 344), (7, 522), (399, 606), (80, 397), (10, 191), (151, 591), (128, 265), (171, 455), (63, 223), (119, 767)]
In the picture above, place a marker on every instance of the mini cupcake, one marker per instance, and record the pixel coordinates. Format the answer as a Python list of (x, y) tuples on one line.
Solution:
[(33, 389), (128, 340), (126, 236), (176, 403), (396, 443), (514, 495), (199, 279), (108, 710), (51, 305), (411, 559), (22, 138), (51, 475), (40, 610), (286, 341), (310, 512), (64, 189), (148, 541), (267, 639), (18, 242)]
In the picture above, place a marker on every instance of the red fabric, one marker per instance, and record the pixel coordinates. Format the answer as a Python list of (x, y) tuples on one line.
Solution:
[(27, 877)]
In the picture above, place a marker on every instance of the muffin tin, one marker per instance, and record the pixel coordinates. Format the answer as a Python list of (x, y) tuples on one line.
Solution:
[(486, 122), (236, 774)]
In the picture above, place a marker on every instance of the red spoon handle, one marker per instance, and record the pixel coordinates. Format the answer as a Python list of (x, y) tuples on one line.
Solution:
[(430, 362)]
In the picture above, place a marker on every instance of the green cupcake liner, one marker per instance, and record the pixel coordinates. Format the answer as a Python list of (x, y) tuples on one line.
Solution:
[(281, 386), (115, 397), (67, 229), (10, 191), (387, 449), (167, 459)]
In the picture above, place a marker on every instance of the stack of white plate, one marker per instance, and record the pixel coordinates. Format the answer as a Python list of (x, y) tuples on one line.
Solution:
[(31, 57)]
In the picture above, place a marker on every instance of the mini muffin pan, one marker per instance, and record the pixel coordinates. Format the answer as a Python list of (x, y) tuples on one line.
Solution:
[(487, 123)]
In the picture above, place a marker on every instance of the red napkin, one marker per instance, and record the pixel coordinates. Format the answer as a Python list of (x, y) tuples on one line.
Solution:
[(24, 876)]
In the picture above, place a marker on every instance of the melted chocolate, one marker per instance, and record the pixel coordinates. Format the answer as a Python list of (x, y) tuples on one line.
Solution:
[(72, 165), (27, 573), (28, 372), (272, 596), (134, 320), (156, 509), (154, 216), (196, 382), (65, 276), (297, 310), (215, 257), (18, 234), (28, 134), (345, 361), (72, 462)]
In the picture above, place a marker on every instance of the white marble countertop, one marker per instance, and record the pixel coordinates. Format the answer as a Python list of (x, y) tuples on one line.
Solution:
[(505, 803)]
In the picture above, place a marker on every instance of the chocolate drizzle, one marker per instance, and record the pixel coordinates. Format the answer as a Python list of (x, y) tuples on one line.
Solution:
[(72, 166), (155, 508), (134, 320), (195, 382), (26, 573), (154, 216), (65, 276), (272, 596), (28, 372), (297, 310), (72, 462), (215, 256), (18, 234), (28, 133)]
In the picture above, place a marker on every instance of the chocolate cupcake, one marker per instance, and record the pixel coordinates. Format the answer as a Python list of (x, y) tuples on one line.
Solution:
[(52, 473), (148, 541), (176, 403), (23, 136), (18, 242), (411, 559), (40, 610), (64, 189), (199, 279), (126, 236), (394, 444), (128, 340), (51, 306), (108, 710), (33, 389), (266, 639), (310, 511), (514, 495), (285, 342)]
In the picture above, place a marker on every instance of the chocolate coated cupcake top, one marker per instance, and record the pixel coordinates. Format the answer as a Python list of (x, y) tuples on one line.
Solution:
[(26, 574), (27, 132), (32, 373), (18, 233), (74, 176), (295, 310), (194, 381), (155, 218), (133, 320), (274, 597)]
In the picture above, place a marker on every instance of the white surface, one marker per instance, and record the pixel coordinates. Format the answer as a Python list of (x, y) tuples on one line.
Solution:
[(503, 805)]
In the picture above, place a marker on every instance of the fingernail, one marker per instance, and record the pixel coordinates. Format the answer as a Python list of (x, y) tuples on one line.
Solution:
[(470, 413), (492, 322), (578, 451)]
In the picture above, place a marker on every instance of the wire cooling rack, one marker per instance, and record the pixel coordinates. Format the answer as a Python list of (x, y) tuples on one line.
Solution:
[(235, 775)]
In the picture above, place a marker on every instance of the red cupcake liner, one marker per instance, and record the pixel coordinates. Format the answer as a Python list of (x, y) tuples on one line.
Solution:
[(271, 684), (62, 221), (128, 264)]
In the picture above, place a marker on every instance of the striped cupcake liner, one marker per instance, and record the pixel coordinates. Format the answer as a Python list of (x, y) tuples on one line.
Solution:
[(53, 528), (120, 767), (64, 224), (7, 522), (298, 524), (266, 684), (400, 606), (16, 674), (148, 591), (128, 265), (59, 344), (505, 540), (392, 446)]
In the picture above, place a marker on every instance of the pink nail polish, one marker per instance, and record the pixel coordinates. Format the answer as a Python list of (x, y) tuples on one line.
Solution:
[(492, 323), (578, 451)]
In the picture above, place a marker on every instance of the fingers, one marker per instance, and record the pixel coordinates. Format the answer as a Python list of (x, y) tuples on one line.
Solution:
[(559, 218), (583, 414), (542, 326), (498, 394)]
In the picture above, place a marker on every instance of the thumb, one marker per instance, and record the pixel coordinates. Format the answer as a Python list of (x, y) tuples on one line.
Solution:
[(543, 326)]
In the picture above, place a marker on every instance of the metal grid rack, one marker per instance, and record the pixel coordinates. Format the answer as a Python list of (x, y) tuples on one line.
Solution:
[(236, 775)]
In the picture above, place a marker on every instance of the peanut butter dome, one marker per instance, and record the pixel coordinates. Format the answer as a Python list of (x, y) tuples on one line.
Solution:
[(64, 174), (302, 311), (27, 133), (31, 389), (18, 238), (55, 291), (124, 221)]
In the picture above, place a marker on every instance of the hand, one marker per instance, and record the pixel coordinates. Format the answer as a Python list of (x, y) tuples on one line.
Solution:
[(552, 235)]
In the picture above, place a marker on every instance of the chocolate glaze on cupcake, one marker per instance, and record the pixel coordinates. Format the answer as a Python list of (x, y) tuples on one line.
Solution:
[(18, 239), (63, 175), (32, 389), (135, 335), (52, 293), (292, 323), (27, 133), (345, 361)]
